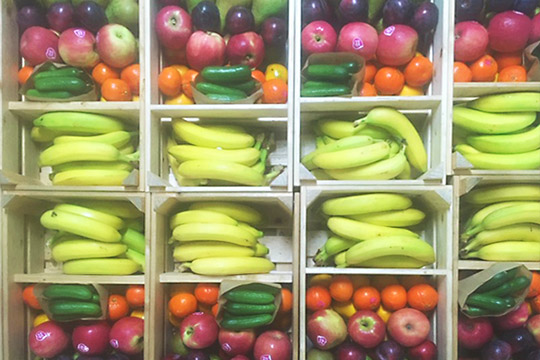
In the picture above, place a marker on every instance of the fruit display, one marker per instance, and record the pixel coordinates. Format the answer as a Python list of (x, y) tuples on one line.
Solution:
[(502, 223), (499, 132), (370, 317), (394, 37), (491, 38), (370, 230)]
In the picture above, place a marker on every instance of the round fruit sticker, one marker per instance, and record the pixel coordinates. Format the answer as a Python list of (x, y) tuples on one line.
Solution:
[(321, 340), (226, 347), (389, 30), (42, 335), (79, 33), (114, 343), (357, 44), (50, 53), (83, 348)]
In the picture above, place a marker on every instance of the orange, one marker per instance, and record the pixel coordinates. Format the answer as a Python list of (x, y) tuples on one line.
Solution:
[(368, 90), (275, 92), (170, 81), (360, 281), (118, 307), (341, 288), (115, 90), (187, 79), (508, 59), (215, 309), (534, 288), (418, 72), (30, 299), (382, 281), (462, 73), (207, 293), (181, 99), (535, 304), (389, 81), (394, 297), (135, 296), (259, 76), (422, 297), (24, 74), (318, 298), (286, 301), (411, 280), (367, 298), (513, 73), (132, 75), (181, 305), (102, 72), (484, 69), (369, 74)]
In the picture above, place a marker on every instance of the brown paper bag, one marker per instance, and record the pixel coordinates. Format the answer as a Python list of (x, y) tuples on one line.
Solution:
[(201, 98), (532, 61)]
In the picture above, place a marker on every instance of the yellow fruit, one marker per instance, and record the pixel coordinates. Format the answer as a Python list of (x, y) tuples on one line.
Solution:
[(182, 69), (411, 91), (40, 319), (102, 99), (276, 71), (320, 280), (383, 314), (181, 99), (345, 309), (135, 98), (137, 313)]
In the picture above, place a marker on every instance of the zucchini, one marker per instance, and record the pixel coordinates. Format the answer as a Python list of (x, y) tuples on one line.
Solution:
[(248, 86), (492, 303), (80, 308), (226, 74), (352, 67), (71, 84), (209, 88), (498, 280), (327, 72), (67, 71), (225, 98), (49, 94), (250, 297), (335, 90), (513, 286), (65, 291), (475, 311), (245, 322), (314, 84), (249, 309)]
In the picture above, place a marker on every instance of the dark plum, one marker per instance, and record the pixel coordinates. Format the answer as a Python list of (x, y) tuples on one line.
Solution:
[(274, 31), (468, 10), (63, 357), (425, 17), (526, 6), (534, 355), (313, 10), (397, 12), (353, 10), (520, 339), (389, 350), (118, 356), (29, 16), (60, 16), (497, 350), (205, 16), (239, 20), (91, 16), (174, 357), (350, 351), (499, 5), (197, 355)]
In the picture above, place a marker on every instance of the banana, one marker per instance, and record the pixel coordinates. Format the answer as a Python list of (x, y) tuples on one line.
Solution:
[(400, 126), (115, 138), (109, 266), (396, 218), (509, 102), (511, 215), (203, 249), (320, 174), (229, 128), (507, 144), (391, 245), (71, 122), (337, 129), (247, 156), (366, 204), (200, 216), (488, 123), (42, 135), (524, 161), (500, 193), (224, 266), (212, 138), (90, 177), (341, 144), (86, 249), (334, 245), (134, 240), (319, 142), (135, 224), (349, 158), (406, 173), (182, 181), (81, 151), (214, 232), (127, 149), (328, 140), (251, 229), (100, 216), (480, 215), (239, 212), (345, 309), (520, 232), (218, 170), (393, 262), (123, 209), (93, 165), (340, 260), (381, 170), (359, 231), (137, 257), (508, 251), (374, 132), (261, 250), (79, 225)]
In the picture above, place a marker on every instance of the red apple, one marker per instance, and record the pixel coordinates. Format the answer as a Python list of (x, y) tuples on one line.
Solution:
[(116, 45), (513, 319), (199, 330), (425, 351), (236, 342), (173, 27), (509, 31), (474, 333), (359, 38), (246, 48), (127, 335), (533, 325), (39, 45), (205, 49), (91, 338), (318, 37), (409, 327), (534, 36), (326, 329), (274, 345), (366, 328), (77, 48), (47, 340), (471, 41), (240, 357), (397, 45)]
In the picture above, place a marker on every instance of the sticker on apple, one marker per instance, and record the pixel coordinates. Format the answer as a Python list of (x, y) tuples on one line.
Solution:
[(41, 335), (83, 348), (357, 44), (389, 30), (321, 340)]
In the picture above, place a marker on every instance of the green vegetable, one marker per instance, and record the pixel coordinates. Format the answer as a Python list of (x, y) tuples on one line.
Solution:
[(335, 90), (352, 67), (49, 94), (250, 297), (493, 303), (248, 87), (497, 280), (314, 84), (80, 308), (511, 287), (95, 298), (71, 84), (475, 311), (260, 287), (226, 75), (327, 72), (249, 309), (245, 322), (67, 71), (65, 291), (225, 98), (209, 88)]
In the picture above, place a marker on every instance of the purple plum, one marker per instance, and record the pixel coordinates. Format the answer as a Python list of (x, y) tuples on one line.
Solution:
[(91, 16), (350, 351), (468, 10), (397, 12), (197, 355), (60, 16), (526, 6), (353, 10), (497, 350), (274, 31), (313, 10), (425, 17), (389, 350), (205, 16), (499, 5), (239, 20), (520, 339), (29, 16)]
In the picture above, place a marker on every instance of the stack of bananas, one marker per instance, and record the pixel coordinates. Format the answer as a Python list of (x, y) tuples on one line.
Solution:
[(505, 225), (381, 146), (87, 149), (97, 237), (219, 155), (499, 132), (370, 232), (218, 238)]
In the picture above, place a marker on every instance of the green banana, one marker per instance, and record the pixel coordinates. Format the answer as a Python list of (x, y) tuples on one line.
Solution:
[(499, 193), (349, 158), (134, 240), (99, 216), (381, 170), (359, 231), (340, 260), (341, 144), (406, 174), (42, 135), (116, 138), (396, 218), (247, 156), (215, 232), (137, 257), (212, 138), (374, 132), (524, 161), (81, 151), (90, 177), (512, 215), (508, 251), (200, 216), (224, 266), (109, 266), (480, 215), (250, 229), (261, 250), (509, 102), (82, 123), (219, 170), (489, 123), (239, 212), (366, 204), (190, 251), (520, 232), (333, 246), (507, 144), (86, 249)]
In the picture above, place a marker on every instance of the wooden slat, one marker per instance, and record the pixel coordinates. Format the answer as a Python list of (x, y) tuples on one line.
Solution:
[(473, 90), (78, 279)]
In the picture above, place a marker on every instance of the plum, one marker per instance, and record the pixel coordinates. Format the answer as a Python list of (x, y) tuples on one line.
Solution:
[(205, 17), (397, 12), (468, 10)]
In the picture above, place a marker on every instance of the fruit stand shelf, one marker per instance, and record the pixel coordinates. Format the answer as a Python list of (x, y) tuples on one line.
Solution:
[(481, 265), (466, 90), (78, 279), (362, 103), (374, 271), (274, 276), (221, 110)]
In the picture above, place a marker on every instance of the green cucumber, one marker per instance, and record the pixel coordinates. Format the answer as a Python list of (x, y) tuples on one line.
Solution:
[(69, 291), (226, 74), (96, 299), (249, 309), (245, 322), (498, 280), (335, 90), (314, 84), (224, 98), (352, 67), (49, 94), (209, 88), (515, 285), (80, 308), (475, 311), (327, 72), (493, 303), (248, 86), (260, 287), (509, 301), (67, 71), (71, 84), (249, 297)]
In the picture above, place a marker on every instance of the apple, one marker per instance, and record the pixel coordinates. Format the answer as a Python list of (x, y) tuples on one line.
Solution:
[(173, 27), (77, 48), (509, 31), (513, 319), (471, 41), (326, 329), (246, 48), (274, 31), (474, 333), (29, 16), (177, 344), (116, 45), (425, 351), (127, 335), (359, 38), (91, 16), (123, 12), (366, 328), (236, 342), (240, 357), (350, 351), (534, 36), (316, 354), (38, 45), (389, 350), (199, 330), (409, 327), (533, 324), (318, 37), (520, 340), (60, 16), (397, 45), (91, 338), (497, 350), (205, 49), (272, 344), (48, 340)]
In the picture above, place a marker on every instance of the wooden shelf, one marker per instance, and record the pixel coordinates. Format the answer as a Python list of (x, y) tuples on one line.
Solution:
[(481, 265), (274, 276), (83, 279), (374, 271), (365, 103), (221, 110), (467, 90)]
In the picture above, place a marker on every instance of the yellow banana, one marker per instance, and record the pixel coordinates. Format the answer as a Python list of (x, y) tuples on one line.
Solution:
[(212, 138), (396, 218), (203, 249), (123, 209), (507, 144), (100, 216), (261, 250), (137, 257), (498, 193), (116, 138), (86, 249), (340, 260), (381, 170), (348, 158), (516, 101), (90, 177), (508, 251), (42, 135), (239, 212), (334, 245), (374, 132), (219, 170), (78, 123), (127, 149), (134, 240), (481, 214), (342, 144), (81, 151), (93, 165), (524, 161), (337, 129), (359, 231), (109, 266), (366, 204), (215, 232), (224, 266), (406, 173), (489, 123), (200, 216), (393, 262), (512, 215), (520, 232), (250, 229), (345, 309), (247, 156)]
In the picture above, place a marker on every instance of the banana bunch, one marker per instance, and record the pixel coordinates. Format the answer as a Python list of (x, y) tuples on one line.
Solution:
[(499, 132), (371, 231), (97, 237), (219, 238), (219, 155), (505, 225), (85, 149), (383, 145)]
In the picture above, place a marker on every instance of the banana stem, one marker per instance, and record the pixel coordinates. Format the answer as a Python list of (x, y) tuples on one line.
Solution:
[(276, 170), (360, 124), (270, 142), (260, 167), (472, 231), (321, 258), (473, 254), (259, 141), (319, 142), (131, 157)]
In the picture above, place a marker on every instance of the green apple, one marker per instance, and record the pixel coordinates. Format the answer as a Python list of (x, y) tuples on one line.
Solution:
[(123, 12), (102, 3)]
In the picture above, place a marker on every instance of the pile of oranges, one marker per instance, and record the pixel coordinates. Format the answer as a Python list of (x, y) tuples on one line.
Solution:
[(533, 297), (501, 67)]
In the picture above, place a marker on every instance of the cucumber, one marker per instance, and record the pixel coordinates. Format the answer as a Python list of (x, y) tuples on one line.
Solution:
[(475, 311), (80, 308), (327, 72), (335, 90), (95, 298), (64, 83), (226, 74), (209, 88), (498, 280), (248, 87), (49, 94), (75, 292), (260, 287), (225, 98), (509, 301), (352, 67), (250, 297), (314, 84), (67, 71), (492, 303), (515, 285), (249, 309), (245, 322)]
